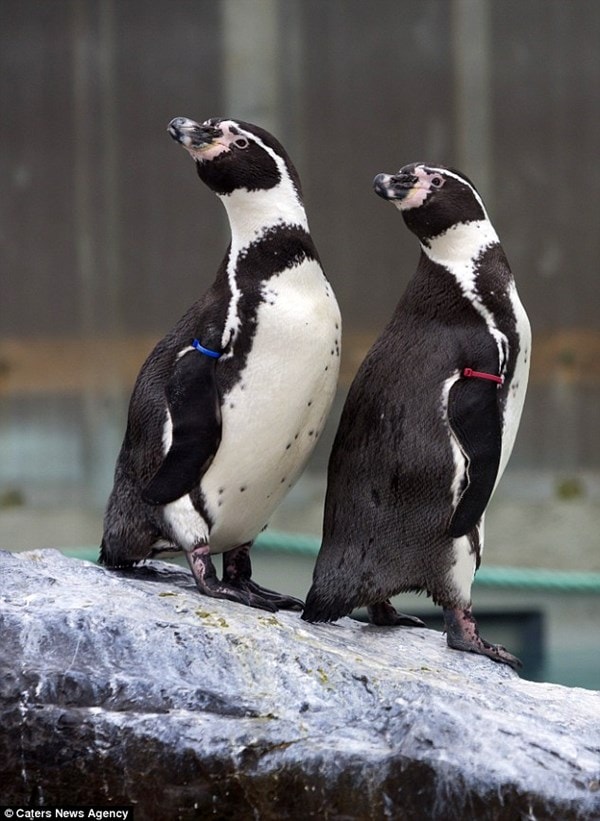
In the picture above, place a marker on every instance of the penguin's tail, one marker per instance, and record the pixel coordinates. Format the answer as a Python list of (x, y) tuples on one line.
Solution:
[(325, 603), (109, 559)]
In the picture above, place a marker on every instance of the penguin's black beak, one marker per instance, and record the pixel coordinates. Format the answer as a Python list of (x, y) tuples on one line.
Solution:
[(192, 135), (394, 186)]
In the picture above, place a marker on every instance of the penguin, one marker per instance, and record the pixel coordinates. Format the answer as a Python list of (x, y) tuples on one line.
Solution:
[(429, 422), (229, 405)]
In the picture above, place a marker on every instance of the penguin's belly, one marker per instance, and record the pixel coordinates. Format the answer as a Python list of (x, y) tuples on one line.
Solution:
[(273, 416)]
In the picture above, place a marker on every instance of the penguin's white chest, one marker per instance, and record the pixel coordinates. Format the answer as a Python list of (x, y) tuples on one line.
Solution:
[(274, 414)]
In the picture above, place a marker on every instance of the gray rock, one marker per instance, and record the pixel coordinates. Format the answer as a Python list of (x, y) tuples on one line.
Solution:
[(128, 687)]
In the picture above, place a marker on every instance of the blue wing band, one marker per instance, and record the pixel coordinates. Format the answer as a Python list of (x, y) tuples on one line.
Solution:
[(205, 351)]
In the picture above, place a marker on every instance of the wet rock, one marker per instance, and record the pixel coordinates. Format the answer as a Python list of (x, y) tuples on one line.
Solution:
[(130, 687)]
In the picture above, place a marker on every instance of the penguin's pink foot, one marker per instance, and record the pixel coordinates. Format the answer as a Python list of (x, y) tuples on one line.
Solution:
[(208, 584), (237, 573), (462, 634), (384, 614)]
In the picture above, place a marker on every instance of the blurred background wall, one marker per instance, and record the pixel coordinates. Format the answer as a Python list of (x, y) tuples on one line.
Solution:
[(107, 235)]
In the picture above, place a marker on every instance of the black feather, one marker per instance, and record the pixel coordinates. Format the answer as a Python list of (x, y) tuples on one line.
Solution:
[(474, 417), (193, 402)]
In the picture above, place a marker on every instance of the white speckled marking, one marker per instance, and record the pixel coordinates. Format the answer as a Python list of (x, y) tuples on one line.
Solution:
[(282, 396), (261, 416)]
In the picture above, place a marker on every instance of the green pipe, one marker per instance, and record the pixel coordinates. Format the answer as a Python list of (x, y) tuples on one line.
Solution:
[(538, 578), (509, 578), (524, 578)]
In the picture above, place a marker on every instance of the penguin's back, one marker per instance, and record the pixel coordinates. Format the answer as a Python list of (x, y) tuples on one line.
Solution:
[(395, 469), (384, 530)]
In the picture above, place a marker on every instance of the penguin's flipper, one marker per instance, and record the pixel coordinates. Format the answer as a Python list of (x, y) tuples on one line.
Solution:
[(474, 417), (193, 402)]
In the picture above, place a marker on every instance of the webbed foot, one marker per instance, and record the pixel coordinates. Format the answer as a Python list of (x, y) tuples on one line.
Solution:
[(384, 614), (279, 600), (209, 584), (237, 573), (462, 634), (237, 584)]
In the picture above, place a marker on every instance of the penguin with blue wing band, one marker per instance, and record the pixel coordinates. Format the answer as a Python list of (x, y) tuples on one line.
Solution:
[(229, 405)]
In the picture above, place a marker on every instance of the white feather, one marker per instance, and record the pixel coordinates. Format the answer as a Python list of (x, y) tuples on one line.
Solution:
[(463, 568), (272, 419), (251, 215)]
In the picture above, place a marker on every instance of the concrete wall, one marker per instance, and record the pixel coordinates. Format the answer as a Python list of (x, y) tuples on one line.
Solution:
[(107, 234)]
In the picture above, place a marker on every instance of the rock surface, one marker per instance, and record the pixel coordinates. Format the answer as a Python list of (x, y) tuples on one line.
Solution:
[(131, 688)]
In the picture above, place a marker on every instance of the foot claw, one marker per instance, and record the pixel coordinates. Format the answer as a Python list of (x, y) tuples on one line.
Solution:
[(497, 652)]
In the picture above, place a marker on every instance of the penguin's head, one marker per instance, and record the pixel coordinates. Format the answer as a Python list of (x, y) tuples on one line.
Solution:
[(232, 155), (432, 198)]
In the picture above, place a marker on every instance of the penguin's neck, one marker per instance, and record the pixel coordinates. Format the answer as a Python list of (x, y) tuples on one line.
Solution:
[(252, 213), (461, 244)]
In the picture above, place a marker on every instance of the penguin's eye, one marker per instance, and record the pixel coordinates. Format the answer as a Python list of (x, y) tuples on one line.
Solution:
[(241, 142), (437, 182)]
